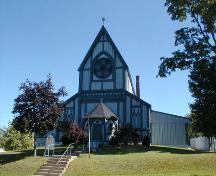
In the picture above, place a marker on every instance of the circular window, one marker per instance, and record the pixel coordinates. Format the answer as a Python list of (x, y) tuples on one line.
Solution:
[(102, 68)]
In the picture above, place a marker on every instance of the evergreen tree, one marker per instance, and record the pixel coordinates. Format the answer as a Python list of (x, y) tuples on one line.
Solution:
[(12, 139)]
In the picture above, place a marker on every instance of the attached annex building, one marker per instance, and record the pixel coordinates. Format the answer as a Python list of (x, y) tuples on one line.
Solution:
[(107, 97)]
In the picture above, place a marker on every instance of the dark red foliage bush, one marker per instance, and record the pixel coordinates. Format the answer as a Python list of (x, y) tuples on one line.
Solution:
[(73, 134)]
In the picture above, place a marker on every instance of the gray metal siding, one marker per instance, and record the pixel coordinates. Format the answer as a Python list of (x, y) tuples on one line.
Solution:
[(167, 129)]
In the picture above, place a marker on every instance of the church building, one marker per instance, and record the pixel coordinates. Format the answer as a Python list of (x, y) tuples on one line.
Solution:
[(107, 98)]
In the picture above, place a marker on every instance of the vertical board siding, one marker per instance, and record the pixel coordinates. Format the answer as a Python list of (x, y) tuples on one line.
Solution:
[(70, 104), (144, 114), (135, 103), (168, 129), (108, 48), (102, 38), (112, 106), (119, 78), (118, 62), (128, 106), (98, 48), (82, 110), (128, 83), (107, 85), (96, 85), (87, 65), (86, 80), (121, 112), (76, 110), (130, 89), (90, 106)]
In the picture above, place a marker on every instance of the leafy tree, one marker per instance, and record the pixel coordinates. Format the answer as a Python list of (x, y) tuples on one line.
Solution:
[(37, 108), (14, 140), (197, 54), (73, 133)]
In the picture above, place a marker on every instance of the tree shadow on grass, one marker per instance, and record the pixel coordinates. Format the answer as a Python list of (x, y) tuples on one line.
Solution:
[(111, 150), (8, 157), (11, 156)]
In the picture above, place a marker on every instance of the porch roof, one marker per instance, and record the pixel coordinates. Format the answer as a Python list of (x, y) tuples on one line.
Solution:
[(101, 111)]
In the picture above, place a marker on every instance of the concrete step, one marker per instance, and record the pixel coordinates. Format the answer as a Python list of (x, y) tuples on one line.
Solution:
[(49, 174), (55, 162), (54, 165), (57, 159), (51, 168)]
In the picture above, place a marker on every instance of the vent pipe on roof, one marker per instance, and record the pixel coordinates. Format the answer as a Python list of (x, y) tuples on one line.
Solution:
[(137, 86)]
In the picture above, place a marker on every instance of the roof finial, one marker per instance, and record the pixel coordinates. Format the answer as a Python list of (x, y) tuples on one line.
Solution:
[(103, 20)]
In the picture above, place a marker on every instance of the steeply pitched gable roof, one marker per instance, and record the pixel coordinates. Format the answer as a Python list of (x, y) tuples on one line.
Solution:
[(102, 31)]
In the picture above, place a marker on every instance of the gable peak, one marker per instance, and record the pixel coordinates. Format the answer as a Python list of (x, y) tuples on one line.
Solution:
[(102, 36)]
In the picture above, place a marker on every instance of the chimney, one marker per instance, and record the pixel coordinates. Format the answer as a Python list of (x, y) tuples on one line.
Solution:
[(137, 86)]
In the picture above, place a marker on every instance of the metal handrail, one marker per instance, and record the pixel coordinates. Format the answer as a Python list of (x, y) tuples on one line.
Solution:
[(66, 151)]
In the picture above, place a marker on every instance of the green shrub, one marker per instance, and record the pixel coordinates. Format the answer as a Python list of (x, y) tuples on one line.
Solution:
[(124, 135), (146, 141), (14, 140)]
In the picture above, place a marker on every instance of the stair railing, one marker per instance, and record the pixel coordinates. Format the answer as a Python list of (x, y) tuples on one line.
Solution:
[(66, 152)]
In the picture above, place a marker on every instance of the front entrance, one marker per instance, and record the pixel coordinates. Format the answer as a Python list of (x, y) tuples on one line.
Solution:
[(97, 131)]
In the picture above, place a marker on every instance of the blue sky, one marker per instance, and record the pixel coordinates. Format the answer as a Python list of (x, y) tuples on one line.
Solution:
[(38, 37)]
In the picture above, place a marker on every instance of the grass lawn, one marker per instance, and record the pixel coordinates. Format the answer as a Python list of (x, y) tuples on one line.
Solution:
[(19, 163), (152, 161)]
